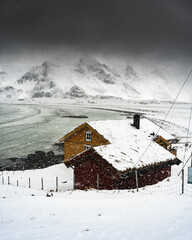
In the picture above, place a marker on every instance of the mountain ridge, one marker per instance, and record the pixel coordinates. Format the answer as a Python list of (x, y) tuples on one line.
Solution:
[(87, 77)]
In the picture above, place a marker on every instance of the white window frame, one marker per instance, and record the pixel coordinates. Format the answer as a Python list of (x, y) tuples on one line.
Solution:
[(88, 136), (87, 147)]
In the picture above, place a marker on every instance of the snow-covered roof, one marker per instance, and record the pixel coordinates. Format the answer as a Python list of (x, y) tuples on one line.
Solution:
[(128, 143)]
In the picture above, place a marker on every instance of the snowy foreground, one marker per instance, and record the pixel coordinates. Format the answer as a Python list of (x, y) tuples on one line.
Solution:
[(29, 214)]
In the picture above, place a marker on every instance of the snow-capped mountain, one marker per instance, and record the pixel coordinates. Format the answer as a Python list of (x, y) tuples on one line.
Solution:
[(88, 77), (37, 82), (94, 69), (151, 85), (7, 90), (99, 79)]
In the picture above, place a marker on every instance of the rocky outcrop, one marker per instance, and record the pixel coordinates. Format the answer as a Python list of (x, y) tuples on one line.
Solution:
[(37, 82), (9, 92), (37, 160), (95, 69), (77, 92)]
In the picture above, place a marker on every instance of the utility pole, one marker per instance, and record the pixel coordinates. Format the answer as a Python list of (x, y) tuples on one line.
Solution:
[(183, 181)]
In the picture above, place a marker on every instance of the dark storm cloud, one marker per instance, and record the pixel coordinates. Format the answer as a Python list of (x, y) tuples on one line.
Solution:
[(137, 25)]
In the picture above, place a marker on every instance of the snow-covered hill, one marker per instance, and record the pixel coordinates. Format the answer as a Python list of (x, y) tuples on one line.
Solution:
[(7, 89), (88, 77)]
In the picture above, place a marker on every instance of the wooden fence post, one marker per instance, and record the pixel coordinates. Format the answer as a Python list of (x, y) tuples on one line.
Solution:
[(73, 179), (136, 179), (56, 184), (41, 183), (183, 181), (29, 182), (2, 180), (8, 180), (97, 181), (17, 183)]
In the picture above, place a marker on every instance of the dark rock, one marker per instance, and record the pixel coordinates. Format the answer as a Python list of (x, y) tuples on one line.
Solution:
[(14, 159), (33, 161), (40, 155), (9, 88), (48, 94), (28, 77), (38, 94), (50, 154), (31, 157), (52, 84), (75, 116), (59, 146), (76, 91)]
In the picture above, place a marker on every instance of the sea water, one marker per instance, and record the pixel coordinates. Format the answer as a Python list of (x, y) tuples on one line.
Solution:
[(25, 129)]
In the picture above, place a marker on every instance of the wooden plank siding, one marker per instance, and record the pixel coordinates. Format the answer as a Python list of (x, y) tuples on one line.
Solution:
[(75, 141), (165, 144)]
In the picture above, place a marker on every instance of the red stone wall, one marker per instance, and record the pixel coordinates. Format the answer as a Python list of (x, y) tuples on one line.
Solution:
[(86, 172), (145, 177), (86, 175)]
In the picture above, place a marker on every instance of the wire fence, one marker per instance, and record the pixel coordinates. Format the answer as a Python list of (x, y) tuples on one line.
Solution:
[(51, 183), (172, 186)]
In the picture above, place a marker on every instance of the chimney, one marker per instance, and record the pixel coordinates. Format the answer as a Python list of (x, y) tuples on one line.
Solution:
[(136, 121)]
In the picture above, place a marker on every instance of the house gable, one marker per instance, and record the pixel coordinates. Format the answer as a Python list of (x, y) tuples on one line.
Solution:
[(75, 142), (165, 144), (81, 127), (96, 157)]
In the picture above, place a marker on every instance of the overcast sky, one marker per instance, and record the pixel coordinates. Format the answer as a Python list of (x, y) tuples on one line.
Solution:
[(117, 26)]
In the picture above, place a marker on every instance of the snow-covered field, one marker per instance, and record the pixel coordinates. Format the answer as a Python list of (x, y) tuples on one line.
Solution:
[(29, 214), (155, 212)]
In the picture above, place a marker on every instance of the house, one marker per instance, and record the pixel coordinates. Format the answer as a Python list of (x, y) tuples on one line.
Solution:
[(167, 144), (109, 155)]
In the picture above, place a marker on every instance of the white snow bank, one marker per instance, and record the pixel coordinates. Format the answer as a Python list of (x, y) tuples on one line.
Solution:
[(49, 175)]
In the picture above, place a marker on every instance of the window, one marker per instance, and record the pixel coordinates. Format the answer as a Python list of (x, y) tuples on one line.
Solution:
[(87, 147), (88, 136)]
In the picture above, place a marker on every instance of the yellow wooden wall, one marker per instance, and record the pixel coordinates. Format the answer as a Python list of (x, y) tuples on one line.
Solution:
[(76, 143)]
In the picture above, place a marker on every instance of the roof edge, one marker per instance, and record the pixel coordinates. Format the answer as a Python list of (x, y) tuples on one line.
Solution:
[(97, 157), (81, 127)]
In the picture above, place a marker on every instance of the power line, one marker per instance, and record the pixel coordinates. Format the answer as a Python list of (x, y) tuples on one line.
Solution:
[(174, 101), (166, 115), (187, 134), (184, 164)]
